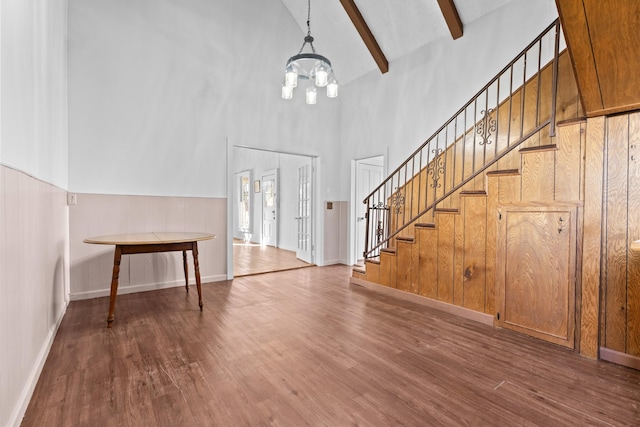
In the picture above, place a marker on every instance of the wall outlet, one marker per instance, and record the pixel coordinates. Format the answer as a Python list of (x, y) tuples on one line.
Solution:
[(72, 199)]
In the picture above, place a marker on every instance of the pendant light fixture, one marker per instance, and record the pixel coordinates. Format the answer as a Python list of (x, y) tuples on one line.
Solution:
[(312, 68)]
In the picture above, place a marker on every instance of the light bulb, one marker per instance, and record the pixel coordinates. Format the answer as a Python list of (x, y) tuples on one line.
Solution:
[(291, 77), (321, 75), (332, 89), (287, 92), (311, 95)]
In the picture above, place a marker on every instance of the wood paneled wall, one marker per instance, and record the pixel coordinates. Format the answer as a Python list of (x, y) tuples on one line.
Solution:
[(621, 267), (603, 41)]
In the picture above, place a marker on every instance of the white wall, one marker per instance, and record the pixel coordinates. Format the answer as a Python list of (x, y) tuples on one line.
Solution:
[(33, 180), (336, 236), (158, 89), (34, 88), (399, 110), (158, 86)]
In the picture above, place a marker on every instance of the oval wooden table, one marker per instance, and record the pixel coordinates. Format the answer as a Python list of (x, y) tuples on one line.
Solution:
[(144, 243)]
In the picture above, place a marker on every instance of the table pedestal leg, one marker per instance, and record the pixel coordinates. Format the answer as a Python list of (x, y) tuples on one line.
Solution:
[(186, 270), (196, 265), (114, 284)]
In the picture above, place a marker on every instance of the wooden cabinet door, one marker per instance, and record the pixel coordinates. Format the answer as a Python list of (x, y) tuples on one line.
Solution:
[(536, 270)]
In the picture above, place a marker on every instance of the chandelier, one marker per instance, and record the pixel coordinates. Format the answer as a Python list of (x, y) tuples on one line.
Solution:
[(311, 67)]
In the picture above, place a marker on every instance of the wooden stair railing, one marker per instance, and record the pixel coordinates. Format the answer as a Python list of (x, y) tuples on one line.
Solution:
[(515, 105)]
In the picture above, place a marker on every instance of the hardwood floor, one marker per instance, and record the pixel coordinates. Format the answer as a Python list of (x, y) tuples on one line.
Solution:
[(252, 258), (303, 347)]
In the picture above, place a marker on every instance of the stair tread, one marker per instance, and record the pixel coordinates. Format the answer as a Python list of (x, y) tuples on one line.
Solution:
[(447, 210), (504, 172), (473, 193), (373, 261), (571, 121), (549, 147), (425, 225), (359, 270), (388, 250), (405, 239)]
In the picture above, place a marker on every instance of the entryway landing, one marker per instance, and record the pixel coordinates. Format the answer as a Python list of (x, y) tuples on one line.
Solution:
[(253, 258)]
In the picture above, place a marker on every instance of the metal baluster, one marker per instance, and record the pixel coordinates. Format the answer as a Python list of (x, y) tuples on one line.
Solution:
[(475, 124), (510, 104), (495, 148), (554, 84), (539, 81), (522, 94)]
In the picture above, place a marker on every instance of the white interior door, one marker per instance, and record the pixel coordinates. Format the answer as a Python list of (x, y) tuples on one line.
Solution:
[(270, 208), (368, 177), (304, 249)]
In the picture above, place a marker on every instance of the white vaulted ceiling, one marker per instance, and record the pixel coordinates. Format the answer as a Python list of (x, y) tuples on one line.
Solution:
[(399, 27)]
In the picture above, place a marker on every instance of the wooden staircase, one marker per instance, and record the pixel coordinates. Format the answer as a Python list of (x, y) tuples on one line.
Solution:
[(452, 259), (490, 225)]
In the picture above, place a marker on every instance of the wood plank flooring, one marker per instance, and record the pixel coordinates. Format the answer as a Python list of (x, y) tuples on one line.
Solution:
[(252, 258), (303, 347)]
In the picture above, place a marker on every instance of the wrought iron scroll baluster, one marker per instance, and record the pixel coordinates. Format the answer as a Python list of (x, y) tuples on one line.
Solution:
[(397, 200), (487, 127), (436, 167)]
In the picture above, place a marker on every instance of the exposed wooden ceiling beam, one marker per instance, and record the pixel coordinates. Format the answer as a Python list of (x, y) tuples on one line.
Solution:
[(367, 37), (452, 18)]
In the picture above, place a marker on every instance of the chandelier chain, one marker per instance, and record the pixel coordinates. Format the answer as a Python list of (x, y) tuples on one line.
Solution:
[(308, 17), (313, 68), (308, 38)]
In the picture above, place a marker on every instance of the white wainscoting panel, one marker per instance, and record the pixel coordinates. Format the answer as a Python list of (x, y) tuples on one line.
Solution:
[(100, 214)]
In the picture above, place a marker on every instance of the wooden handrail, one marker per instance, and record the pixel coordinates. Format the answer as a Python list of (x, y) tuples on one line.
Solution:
[(485, 113)]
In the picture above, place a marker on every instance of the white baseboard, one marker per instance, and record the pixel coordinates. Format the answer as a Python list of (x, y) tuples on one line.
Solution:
[(476, 316), (334, 262), (27, 392), (143, 288)]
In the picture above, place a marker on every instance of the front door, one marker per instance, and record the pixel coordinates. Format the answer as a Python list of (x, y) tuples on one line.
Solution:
[(303, 219), (270, 208)]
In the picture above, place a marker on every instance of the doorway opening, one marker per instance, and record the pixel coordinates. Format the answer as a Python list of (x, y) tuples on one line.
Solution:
[(367, 174), (280, 235)]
